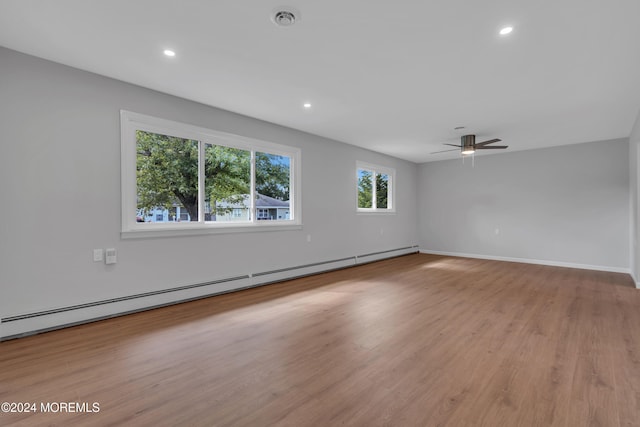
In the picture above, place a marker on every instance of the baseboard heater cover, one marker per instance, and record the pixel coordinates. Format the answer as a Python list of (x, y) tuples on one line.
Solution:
[(380, 255), (298, 267), (57, 318), (119, 299)]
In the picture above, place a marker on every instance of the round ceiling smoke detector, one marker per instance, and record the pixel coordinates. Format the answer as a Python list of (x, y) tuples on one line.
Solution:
[(285, 16)]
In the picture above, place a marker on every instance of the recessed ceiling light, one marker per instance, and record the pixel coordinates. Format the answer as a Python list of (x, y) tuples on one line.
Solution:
[(306, 105), (505, 31), (285, 16), (169, 52)]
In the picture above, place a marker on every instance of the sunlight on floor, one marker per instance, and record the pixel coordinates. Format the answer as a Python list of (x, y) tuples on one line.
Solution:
[(449, 265)]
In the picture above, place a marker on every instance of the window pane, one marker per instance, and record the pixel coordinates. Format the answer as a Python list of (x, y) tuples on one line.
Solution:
[(273, 177), (382, 190), (166, 177), (227, 183), (365, 189)]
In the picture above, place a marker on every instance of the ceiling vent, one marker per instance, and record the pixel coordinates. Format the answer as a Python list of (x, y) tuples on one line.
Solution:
[(285, 16)]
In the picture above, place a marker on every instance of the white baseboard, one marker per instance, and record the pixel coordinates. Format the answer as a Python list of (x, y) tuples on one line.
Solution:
[(534, 261)]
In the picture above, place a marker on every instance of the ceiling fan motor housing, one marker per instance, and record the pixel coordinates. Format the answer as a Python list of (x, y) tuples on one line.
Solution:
[(468, 142)]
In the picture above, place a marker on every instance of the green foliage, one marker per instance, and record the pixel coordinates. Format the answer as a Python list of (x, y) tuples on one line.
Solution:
[(272, 175), (382, 191), (167, 174), (227, 176), (365, 189)]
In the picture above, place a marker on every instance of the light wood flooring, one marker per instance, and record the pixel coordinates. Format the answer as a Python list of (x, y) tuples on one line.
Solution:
[(419, 340)]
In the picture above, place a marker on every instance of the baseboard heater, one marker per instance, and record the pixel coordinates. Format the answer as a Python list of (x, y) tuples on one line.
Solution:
[(114, 300), (374, 256), (42, 321)]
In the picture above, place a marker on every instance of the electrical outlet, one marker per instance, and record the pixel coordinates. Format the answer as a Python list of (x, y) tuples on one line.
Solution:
[(97, 255), (110, 256)]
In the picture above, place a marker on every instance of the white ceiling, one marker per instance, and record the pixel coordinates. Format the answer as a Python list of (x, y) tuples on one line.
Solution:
[(395, 77)]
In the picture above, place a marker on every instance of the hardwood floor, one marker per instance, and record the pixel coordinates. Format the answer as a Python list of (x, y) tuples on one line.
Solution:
[(420, 340)]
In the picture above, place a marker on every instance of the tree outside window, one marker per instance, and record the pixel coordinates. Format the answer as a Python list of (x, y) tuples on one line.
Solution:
[(374, 186)]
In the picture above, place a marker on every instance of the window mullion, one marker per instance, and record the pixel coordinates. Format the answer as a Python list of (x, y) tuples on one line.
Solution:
[(292, 190), (252, 192), (201, 181), (389, 192), (373, 190)]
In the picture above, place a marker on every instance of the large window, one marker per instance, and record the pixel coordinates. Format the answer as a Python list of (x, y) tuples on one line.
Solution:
[(181, 178), (374, 188)]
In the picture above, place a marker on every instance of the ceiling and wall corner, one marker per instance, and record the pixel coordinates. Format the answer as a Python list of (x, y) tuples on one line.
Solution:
[(395, 78)]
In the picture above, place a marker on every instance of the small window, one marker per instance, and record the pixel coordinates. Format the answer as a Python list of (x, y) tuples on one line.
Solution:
[(181, 177), (374, 188)]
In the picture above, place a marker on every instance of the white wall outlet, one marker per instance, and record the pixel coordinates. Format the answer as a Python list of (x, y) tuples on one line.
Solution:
[(97, 255), (308, 237), (110, 256)]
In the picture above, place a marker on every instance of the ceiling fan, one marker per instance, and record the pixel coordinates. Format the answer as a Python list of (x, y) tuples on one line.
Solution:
[(468, 145)]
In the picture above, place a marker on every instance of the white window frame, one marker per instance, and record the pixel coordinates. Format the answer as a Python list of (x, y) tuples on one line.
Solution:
[(377, 169), (130, 122)]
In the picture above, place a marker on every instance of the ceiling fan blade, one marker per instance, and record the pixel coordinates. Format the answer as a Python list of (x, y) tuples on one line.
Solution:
[(491, 141), (491, 147), (444, 151), (453, 145)]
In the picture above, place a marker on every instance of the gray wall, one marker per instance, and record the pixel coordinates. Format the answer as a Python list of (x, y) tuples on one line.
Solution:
[(634, 162), (566, 205), (60, 192)]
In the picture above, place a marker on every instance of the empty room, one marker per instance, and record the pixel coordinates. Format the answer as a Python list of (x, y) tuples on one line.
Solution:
[(360, 213)]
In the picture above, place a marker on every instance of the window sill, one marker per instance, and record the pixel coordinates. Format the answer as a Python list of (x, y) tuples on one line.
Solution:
[(202, 230), (375, 212)]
